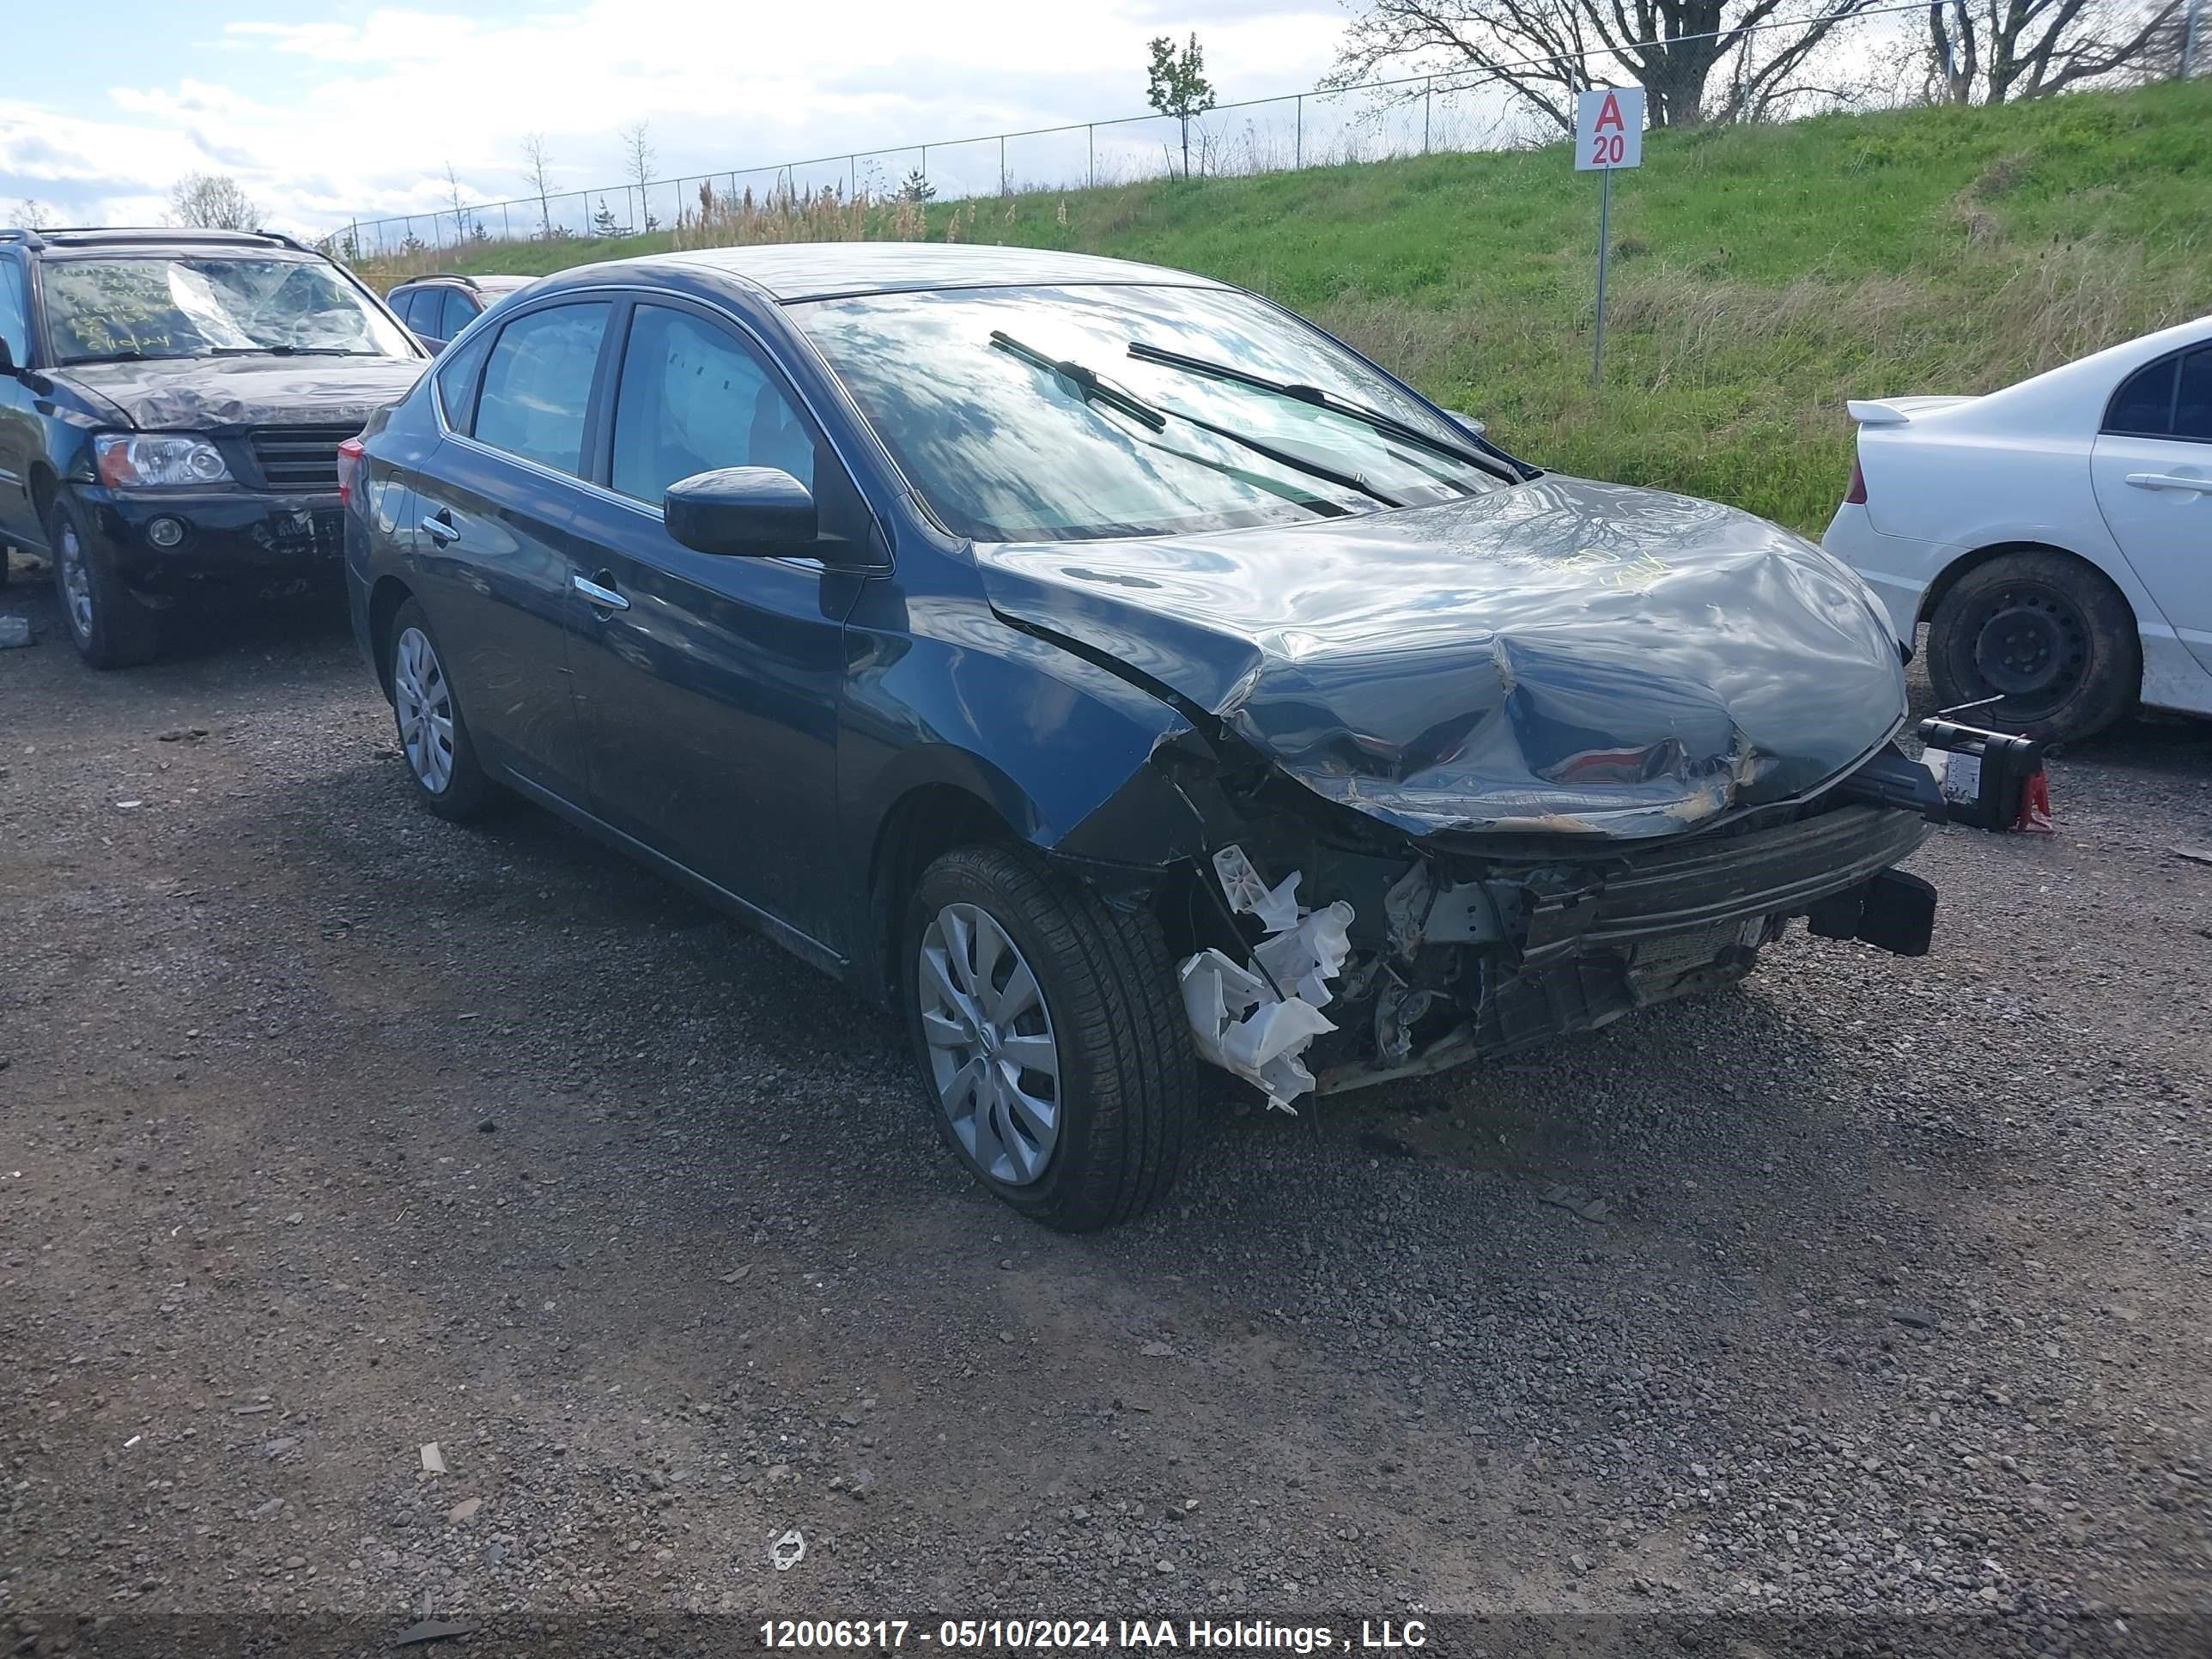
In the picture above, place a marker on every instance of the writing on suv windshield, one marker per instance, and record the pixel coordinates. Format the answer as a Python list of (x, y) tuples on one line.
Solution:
[(208, 305)]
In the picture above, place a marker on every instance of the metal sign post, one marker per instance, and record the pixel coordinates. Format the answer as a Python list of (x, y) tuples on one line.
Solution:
[(1608, 136), (1604, 243)]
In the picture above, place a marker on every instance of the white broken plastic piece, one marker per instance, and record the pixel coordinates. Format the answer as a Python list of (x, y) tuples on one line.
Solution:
[(1304, 960), (433, 1461), (789, 1551), (1242, 1023), (1277, 906)]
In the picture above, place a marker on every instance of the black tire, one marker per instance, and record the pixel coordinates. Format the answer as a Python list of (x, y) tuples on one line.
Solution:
[(455, 785), (111, 628), (2046, 632), (1127, 1095)]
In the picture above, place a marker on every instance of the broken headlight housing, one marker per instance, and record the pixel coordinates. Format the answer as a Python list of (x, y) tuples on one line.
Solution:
[(157, 460)]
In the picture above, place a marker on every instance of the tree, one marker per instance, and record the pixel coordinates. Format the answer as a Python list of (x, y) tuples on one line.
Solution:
[(604, 222), (32, 214), (2000, 51), (212, 201), (461, 208), (917, 187), (538, 172), (1178, 86), (638, 158), (1547, 50)]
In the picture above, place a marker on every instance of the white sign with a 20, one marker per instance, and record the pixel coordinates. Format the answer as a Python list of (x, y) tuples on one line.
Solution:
[(1609, 129)]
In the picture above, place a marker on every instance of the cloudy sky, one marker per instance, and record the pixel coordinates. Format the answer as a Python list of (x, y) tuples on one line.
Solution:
[(325, 121)]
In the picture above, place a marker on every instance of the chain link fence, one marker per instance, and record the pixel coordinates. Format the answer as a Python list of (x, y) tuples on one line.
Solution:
[(1377, 120), (1412, 117)]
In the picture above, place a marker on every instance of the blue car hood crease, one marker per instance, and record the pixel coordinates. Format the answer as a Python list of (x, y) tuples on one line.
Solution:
[(1561, 657)]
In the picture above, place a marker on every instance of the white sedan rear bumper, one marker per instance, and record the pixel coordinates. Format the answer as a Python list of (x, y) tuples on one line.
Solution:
[(1897, 568)]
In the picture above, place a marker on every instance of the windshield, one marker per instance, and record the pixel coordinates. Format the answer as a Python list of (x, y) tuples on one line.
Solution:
[(206, 305), (1005, 445)]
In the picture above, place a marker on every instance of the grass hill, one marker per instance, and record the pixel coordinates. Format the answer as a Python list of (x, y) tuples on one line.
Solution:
[(1761, 275)]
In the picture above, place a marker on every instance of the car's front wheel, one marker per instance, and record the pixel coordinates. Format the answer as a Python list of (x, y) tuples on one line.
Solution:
[(2043, 633), (1050, 1035), (434, 734), (111, 626)]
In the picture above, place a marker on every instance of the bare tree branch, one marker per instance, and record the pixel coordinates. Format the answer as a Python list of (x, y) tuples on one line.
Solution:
[(1546, 50), (537, 169), (2004, 50), (212, 201), (638, 157)]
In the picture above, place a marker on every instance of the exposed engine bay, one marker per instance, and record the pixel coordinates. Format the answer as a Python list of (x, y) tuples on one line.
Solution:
[(1331, 952)]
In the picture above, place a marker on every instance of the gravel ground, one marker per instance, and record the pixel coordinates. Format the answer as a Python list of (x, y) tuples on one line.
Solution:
[(328, 1131)]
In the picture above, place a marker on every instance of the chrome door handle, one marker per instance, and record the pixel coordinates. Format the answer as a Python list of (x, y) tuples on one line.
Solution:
[(2169, 481), (599, 595), (442, 530)]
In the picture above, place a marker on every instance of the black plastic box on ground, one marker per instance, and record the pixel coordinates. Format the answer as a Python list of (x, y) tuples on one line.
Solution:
[(1985, 774)]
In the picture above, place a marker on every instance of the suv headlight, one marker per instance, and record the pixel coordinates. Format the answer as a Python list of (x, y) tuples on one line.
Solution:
[(141, 460)]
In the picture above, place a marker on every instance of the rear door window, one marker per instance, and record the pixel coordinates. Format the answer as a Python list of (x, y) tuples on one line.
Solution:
[(2143, 405), (2192, 400), (694, 399), (536, 390), (406, 303), (14, 327), (456, 311), (459, 372)]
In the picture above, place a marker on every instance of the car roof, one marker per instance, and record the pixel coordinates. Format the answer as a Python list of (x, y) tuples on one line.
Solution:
[(164, 239), (818, 271), (489, 284)]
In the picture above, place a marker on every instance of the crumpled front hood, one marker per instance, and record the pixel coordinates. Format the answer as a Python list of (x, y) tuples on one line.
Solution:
[(1560, 657), (198, 394)]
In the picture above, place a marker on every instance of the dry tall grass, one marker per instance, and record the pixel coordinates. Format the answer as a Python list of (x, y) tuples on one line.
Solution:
[(718, 220), (826, 215)]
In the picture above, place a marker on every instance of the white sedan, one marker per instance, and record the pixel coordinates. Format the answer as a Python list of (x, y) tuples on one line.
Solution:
[(2056, 537)]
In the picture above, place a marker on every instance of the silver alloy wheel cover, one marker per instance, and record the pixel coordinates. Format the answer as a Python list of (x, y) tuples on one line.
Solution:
[(76, 580), (992, 1057), (423, 704)]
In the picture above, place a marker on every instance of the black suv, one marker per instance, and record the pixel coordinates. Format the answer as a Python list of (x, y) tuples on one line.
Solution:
[(171, 407), (440, 306)]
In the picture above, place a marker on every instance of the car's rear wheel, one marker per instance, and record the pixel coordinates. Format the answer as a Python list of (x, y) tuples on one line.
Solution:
[(434, 734), (110, 626), (2046, 635), (1050, 1037)]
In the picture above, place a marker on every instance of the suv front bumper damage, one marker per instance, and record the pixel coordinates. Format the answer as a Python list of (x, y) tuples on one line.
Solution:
[(223, 535), (1450, 958)]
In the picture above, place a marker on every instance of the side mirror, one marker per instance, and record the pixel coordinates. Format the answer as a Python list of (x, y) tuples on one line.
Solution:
[(740, 510), (9, 366), (1468, 421)]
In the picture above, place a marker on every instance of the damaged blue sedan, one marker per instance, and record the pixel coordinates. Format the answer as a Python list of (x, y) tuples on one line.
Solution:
[(1117, 677)]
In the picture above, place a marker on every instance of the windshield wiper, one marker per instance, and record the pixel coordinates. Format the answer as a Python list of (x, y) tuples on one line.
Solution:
[(1093, 389), (1494, 464), (130, 355), (286, 351), (1085, 380)]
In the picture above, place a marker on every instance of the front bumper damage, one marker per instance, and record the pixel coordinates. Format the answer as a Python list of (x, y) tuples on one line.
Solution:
[(1374, 957), (222, 535)]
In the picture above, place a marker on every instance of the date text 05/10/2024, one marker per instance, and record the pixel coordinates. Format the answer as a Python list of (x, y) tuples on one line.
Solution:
[(1045, 1635)]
